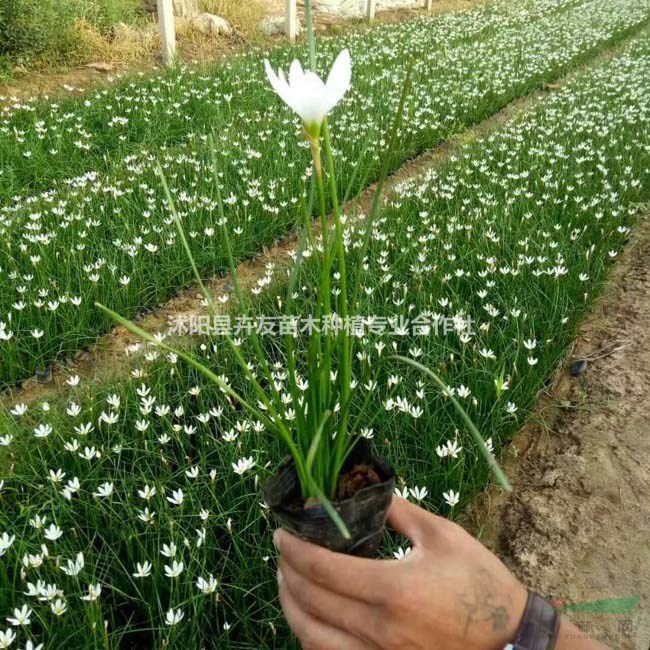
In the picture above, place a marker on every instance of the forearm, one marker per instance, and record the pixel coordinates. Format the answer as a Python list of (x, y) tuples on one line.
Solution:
[(571, 637)]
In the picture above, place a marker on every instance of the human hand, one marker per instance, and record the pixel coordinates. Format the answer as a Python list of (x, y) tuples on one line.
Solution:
[(449, 593)]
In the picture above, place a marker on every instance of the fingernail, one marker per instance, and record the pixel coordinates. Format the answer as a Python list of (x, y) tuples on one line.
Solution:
[(280, 577), (276, 539)]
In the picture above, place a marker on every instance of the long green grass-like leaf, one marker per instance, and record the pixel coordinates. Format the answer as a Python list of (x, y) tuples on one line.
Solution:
[(478, 438), (275, 427)]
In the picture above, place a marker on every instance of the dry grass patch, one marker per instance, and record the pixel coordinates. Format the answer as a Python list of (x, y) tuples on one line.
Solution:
[(244, 15)]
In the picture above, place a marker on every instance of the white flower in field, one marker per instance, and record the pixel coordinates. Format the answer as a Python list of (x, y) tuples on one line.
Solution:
[(487, 354), (6, 542), (401, 553), (367, 433), (34, 590), (53, 532), (143, 570), (451, 449), (147, 516), (48, 592), (490, 445), (94, 592), (416, 412), (58, 607), (226, 626), (58, 476), (33, 561), (42, 431), (404, 493), (306, 93), (173, 617), (30, 646), (21, 616), (73, 380), (530, 344), (419, 493), (243, 465), (19, 409), (204, 514), (169, 550), (84, 429), (147, 493), (174, 570), (104, 490), (73, 568), (200, 537), (208, 586), (511, 408), (7, 638), (73, 409), (72, 487), (176, 498), (531, 361), (463, 391), (451, 498), (89, 453)]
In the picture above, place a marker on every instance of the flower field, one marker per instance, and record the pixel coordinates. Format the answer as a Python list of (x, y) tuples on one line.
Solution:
[(131, 514), (78, 181)]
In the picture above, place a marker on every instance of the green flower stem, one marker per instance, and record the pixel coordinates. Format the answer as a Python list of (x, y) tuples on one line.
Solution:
[(309, 20)]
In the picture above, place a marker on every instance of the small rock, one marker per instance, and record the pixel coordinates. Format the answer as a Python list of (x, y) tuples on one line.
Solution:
[(550, 478), (275, 25), (100, 66), (212, 25), (578, 367)]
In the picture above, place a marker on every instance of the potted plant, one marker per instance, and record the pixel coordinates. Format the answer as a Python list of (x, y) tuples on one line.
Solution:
[(332, 489)]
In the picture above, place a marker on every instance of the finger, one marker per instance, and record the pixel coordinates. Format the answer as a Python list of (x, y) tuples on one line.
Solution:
[(357, 578), (412, 522), (314, 634), (352, 616)]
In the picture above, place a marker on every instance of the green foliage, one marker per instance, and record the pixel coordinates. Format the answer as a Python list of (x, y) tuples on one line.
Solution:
[(48, 28)]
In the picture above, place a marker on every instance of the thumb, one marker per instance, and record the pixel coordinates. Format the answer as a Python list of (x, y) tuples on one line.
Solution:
[(409, 520)]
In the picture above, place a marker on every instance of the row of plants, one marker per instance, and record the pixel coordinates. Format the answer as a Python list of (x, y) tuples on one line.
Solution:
[(131, 513), (112, 239), (44, 142)]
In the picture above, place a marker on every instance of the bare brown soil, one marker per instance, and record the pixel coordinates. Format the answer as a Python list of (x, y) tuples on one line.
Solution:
[(577, 528), (359, 477)]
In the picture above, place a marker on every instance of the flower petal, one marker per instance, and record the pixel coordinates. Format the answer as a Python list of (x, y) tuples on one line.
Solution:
[(296, 74), (338, 81), (279, 84)]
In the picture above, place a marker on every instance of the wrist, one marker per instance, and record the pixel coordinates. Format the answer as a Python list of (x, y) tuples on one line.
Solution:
[(501, 635), (539, 628)]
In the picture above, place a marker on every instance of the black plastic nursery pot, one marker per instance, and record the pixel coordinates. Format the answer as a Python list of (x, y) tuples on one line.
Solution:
[(364, 513)]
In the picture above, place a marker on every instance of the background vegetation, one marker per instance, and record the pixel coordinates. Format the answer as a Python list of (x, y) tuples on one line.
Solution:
[(51, 33)]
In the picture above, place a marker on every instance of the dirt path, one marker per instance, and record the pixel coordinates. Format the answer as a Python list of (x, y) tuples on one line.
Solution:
[(577, 528)]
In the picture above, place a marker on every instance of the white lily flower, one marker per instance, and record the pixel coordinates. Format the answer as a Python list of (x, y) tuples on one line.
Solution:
[(306, 93)]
